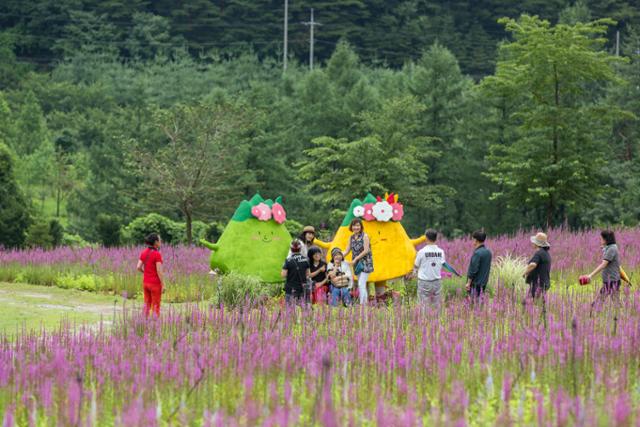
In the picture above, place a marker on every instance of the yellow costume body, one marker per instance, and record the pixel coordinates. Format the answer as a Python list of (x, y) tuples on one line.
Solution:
[(393, 251)]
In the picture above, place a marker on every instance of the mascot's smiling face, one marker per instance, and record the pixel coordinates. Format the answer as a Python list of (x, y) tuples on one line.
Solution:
[(266, 235)]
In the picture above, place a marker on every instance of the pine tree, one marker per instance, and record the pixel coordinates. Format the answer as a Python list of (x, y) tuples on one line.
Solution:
[(14, 211)]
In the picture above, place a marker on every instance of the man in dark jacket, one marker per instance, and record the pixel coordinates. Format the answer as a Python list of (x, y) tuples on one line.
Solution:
[(479, 267)]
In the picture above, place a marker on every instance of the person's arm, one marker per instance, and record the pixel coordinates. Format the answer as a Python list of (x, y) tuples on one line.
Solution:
[(530, 267), (416, 266), (283, 273), (318, 271), (365, 250), (348, 249), (599, 268), (140, 266), (307, 273), (474, 267), (160, 271), (533, 263)]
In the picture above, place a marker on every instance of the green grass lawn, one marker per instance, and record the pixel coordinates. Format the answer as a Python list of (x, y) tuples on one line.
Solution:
[(33, 307)]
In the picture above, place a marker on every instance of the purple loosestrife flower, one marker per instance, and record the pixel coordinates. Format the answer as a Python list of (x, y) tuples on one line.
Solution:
[(8, 420)]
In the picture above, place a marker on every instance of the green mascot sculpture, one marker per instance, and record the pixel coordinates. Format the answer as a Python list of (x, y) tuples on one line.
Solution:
[(255, 242)]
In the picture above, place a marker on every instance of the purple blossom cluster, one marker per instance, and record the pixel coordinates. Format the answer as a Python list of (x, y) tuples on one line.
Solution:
[(496, 362)]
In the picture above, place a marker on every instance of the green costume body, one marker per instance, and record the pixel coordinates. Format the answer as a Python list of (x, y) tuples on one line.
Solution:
[(252, 246)]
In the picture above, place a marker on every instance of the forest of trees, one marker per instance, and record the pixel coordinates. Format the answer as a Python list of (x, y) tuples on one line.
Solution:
[(492, 113)]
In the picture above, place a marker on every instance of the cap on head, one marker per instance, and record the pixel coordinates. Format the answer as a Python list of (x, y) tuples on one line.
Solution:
[(540, 240), (295, 246), (336, 251), (309, 229)]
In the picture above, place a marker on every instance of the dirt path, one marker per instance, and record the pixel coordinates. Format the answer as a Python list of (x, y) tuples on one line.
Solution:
[(39, 306)]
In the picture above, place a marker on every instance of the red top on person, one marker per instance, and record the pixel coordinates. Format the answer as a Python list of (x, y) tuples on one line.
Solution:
[(149, 257)]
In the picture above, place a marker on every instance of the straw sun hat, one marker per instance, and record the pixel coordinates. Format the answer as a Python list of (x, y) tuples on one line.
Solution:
[(540, 240)]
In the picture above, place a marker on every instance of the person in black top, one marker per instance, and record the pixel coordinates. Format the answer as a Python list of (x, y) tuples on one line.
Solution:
[(296, 272), (479, 267), (538, 271), (318, 274)]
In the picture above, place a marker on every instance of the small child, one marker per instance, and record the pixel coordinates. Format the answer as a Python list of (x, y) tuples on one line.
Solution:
[(318, 269), (341, 278)]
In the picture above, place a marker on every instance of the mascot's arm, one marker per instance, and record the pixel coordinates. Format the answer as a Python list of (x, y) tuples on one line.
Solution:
[(321, 244), (419, 240), (212, 246)]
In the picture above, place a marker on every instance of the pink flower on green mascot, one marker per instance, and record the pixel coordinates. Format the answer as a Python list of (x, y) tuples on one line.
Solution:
[(254, 242)]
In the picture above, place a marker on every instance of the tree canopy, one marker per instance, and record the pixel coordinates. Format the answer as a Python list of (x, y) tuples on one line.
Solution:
[(111, 111)]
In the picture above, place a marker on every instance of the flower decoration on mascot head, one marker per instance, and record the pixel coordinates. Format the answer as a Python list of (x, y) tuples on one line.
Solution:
[(378, 209)]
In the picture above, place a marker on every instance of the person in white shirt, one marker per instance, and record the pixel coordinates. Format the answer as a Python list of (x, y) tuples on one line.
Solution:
[(428, 267)]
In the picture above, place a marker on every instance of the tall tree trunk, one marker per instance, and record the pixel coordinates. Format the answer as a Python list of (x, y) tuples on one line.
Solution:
[(556, 140), (58, 200), (187, 216)]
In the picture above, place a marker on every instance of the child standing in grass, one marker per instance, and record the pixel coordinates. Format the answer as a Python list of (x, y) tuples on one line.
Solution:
[(150, 265)]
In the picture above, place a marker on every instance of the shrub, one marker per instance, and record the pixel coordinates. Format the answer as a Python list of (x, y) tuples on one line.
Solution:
[(108, 229), (198, 231), (39, 235), (236, 289), (214, 231), (74, 241), (139, 228), (57, 232), (293, 227)]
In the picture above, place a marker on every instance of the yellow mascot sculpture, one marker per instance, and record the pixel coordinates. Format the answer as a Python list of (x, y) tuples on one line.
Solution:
[(393, 251)]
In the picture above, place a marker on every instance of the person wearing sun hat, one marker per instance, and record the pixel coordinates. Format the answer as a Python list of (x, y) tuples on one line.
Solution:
[(307, 237), (538, 271)]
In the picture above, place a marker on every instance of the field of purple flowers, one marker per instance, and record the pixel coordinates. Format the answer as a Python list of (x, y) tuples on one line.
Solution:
[(499, 362)]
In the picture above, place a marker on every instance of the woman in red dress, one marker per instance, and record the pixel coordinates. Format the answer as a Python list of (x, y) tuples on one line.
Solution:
[(150, 265)]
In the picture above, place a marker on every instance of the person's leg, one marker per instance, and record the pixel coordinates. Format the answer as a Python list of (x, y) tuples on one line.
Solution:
[(362, 287), (147, 299), (435, 294), (335, 295), (422, 292), (156, 297), (346, 297)]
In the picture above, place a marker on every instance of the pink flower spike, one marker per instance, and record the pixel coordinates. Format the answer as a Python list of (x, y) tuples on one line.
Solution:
[(279, 213), (368, 212), (261, 211), (398, 211)]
